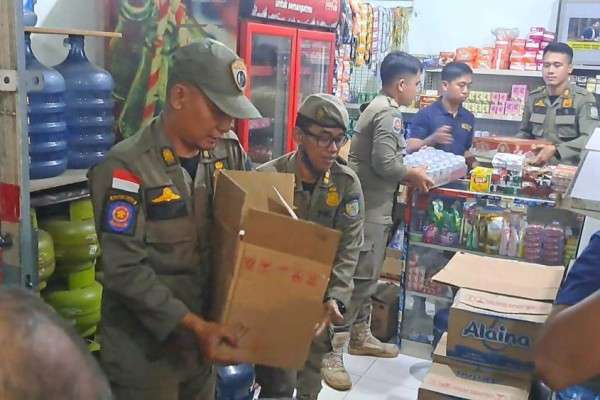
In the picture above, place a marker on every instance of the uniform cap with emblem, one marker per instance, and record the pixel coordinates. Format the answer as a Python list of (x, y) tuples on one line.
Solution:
[(216, 70), (325, 110)]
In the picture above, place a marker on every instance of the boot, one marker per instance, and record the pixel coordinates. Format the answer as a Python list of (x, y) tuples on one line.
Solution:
[(363, 343), (332, 370)]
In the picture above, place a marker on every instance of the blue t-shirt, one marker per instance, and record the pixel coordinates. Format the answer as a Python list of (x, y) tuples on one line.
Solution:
[(583, 279), (430, 118)]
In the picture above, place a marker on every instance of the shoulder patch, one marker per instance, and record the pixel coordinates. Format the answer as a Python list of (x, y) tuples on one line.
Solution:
[(352, 208), (397, 125), (120, 212)]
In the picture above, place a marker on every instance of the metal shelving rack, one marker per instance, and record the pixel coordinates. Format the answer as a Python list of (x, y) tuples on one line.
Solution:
[(18, 245)]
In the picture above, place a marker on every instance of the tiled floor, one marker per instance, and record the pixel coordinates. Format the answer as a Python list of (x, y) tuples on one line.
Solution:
[(379, 378)]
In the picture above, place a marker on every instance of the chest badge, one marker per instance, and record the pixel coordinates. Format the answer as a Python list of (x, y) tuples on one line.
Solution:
[(540, 103), (467, 127), (219, 165), (567, 103), (333, 198), (166, 196)]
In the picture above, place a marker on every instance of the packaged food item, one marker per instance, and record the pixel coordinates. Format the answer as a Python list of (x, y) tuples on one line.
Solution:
[(442, 167), (505, 235), (494, 234), (501, 55), (529, 57), (519, 44), (517, 66), (543, 45), (537, 34), (553, 244), (562, 176), (481, 179), (531, 66), (506, 34), (446, 57), (549, 37), (469, 239), (532, 45), (508, 172), (533, 242), (519, 92), (466, 54)]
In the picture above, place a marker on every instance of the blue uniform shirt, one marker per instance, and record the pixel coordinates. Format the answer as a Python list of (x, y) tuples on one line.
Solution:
[(584, 277), (430, 118)]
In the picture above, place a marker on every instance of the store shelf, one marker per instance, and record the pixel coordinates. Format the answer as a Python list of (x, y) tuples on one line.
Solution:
[(458, 250), (69, 177), (461, 187), (428, 296), (64, 32), (500, 72)]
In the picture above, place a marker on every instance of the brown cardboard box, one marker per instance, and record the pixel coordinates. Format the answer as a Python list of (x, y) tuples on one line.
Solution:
[(497, 324), (444, 382), (271, 270), (441, 357), (393, 266), (384, 317)]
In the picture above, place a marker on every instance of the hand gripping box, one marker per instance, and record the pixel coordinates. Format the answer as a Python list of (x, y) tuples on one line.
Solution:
[(499, 310), (270, 270)]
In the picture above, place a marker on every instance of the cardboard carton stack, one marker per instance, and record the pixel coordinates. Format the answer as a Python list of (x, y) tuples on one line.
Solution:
[(494, 321)]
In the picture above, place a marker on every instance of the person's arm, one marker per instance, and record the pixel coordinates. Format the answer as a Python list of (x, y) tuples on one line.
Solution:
[(127, 272), (587, 122), (418, 132), (349, 220), (568, 350), (387, 159), (525, 130)]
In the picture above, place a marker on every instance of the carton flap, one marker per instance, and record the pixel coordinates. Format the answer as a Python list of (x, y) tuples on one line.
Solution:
[(296, 237), (462, 384), (502, 304), (511, 278), (258, 187)]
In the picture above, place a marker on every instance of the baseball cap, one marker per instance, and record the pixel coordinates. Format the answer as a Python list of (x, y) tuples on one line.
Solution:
[(325, 110), (215, 69)]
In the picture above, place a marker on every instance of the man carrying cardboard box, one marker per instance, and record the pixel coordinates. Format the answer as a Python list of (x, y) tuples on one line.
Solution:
[(328, 193), (152, 213)]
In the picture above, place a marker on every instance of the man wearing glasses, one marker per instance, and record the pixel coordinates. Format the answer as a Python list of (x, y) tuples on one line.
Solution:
[(327, 193)]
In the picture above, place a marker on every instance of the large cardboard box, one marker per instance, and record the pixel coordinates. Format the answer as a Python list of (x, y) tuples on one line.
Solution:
[(271, 270), (440, 356), (498, 313), (384, 316), (446, 382)]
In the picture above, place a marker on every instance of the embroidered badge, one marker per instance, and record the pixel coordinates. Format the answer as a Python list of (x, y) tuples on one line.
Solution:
[(166, 196), (467, 127), (540, 103), (397, 125), (219, 165), (567, 103), (352, 208), (123, 179), (120, 214), (333, 198), (240, 73)]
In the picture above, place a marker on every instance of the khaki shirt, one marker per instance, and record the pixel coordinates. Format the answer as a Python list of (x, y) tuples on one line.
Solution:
[(567, 123), (336, 202), (376, 155), (153, 225)]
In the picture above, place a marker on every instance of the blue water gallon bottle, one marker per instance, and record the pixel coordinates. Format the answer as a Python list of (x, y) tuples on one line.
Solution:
[(47, 126), (90, 106), (29, 16), (235, 382)]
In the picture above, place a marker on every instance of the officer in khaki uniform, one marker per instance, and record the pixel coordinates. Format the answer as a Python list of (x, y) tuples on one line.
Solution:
[(376, 154), (559, 112), (327, 193), (151, 198)]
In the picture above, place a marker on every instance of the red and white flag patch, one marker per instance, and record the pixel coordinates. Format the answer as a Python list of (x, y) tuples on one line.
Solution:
[(125, 180)]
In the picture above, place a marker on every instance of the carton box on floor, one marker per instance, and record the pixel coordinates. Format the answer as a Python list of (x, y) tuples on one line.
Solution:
[(271, 270), (445, 382), (393, 266), (497, 315)]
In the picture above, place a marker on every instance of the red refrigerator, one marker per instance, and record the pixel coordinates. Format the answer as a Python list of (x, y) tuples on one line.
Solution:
[(285, 64)]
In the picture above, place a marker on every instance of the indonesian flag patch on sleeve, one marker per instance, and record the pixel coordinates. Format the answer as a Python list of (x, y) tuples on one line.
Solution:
[(125, 180)]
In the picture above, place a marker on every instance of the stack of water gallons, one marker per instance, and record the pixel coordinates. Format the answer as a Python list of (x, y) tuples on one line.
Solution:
[(71, 117), (73, 290)]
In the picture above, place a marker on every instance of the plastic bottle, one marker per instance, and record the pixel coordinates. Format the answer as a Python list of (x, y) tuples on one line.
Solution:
[(29, 16), (89, 107), (504, 237), (47, 126)]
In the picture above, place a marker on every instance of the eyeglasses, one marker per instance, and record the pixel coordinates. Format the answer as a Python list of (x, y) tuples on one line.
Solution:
[(324, 141)]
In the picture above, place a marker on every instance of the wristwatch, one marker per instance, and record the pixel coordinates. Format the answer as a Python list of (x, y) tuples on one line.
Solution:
[(340, 305)]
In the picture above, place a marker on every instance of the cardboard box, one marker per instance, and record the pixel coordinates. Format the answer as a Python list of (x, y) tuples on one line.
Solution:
[(440, 356), (384, 316), (393, 266), (271, 271), (497, 315), (445, 382)]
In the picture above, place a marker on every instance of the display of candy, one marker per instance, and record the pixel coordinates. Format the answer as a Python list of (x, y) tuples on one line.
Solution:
[(508, 172), (442, 167), (562, 177), (430, 234)]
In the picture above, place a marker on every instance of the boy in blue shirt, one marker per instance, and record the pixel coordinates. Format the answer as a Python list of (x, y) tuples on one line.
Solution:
[(446, 124)]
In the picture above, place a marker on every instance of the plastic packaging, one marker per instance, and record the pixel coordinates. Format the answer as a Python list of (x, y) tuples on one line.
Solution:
[(506, 33), (442, 167), (47, 125), (89, 107)]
